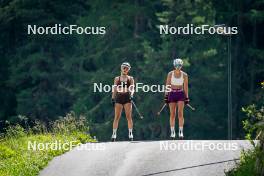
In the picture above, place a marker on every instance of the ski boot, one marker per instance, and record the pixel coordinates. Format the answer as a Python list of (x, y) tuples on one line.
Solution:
[(113, 138), (181, 136), (173, 136), (130, 136)]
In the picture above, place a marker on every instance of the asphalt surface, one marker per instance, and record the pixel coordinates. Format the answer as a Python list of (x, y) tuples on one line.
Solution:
[(142, 158)]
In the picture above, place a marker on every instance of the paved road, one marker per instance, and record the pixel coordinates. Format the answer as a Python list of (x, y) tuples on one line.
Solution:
[(141, 158)]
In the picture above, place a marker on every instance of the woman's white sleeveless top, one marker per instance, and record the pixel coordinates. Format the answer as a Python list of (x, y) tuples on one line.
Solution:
[(177, 81)]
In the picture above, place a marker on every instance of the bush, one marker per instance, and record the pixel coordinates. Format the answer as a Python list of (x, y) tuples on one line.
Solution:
[(70, 123), (252, 162), (246, 166), (15, 131), (17, 159)]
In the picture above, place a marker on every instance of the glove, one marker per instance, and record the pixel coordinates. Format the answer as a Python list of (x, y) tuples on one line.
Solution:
[(186, 101), (130, 96), (166, 99), (113, 101)]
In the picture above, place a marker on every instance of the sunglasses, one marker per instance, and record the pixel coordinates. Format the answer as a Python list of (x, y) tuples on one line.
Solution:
[(125, 68), (178, 66)]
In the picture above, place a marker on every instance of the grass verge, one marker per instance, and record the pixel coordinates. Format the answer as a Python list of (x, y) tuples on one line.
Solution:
[(17, 159)]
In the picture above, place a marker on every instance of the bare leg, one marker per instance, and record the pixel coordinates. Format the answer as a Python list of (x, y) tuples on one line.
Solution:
[(128, 111), (118, 111), (180, 117), (172, 118)]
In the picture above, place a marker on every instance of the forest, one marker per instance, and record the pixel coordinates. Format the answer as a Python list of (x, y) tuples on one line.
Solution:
[(44, 77)]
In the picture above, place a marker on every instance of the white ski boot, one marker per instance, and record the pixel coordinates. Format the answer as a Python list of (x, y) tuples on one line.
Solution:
[(130, 136), (173, 135), (181, 135), (113, 139)]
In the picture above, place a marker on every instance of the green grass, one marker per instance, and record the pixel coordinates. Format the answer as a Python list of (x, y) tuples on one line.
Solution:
[(17, 160), (246, 166)]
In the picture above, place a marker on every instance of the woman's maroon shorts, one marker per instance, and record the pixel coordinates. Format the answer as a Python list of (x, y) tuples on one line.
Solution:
[(176, 95)]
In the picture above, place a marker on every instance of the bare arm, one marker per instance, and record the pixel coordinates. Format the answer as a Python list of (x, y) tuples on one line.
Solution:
[(132, 86), (115, 88), (168, 82), (186, 86)]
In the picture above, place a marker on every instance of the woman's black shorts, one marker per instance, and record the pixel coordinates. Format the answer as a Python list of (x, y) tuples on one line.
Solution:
[(123, 98)]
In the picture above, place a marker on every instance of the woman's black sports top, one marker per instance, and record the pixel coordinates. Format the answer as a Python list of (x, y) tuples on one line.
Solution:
[(126, 83)]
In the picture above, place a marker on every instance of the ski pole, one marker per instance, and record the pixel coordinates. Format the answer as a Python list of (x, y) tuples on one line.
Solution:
[(158, 113), (137, 110), (192, 108)]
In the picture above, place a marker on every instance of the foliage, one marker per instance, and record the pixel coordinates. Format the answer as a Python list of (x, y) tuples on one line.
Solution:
[(43, 77), (252, 162), (246, 165), (17, 159), (254, 125), (70, 123)]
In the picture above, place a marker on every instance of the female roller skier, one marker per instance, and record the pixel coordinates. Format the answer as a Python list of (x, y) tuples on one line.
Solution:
[(121, 98), (178, 95)]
